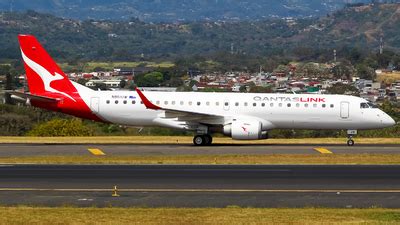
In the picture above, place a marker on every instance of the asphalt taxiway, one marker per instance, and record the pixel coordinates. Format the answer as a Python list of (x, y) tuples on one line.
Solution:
[(12, 150), (201, 186)]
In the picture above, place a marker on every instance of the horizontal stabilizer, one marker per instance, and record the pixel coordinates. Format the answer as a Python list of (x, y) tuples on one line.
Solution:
[(26, 96)]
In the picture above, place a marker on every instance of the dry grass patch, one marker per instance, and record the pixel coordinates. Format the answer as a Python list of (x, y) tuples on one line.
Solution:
[(232, 215), (388, 78), (270, 159), (184, 140)]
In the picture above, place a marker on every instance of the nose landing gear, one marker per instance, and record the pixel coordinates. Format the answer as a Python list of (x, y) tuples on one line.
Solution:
[(350, 142), (350, 134)]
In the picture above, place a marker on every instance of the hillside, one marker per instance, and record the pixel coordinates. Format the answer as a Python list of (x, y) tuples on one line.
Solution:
[(360, 26), (353, 27), (179, 10)]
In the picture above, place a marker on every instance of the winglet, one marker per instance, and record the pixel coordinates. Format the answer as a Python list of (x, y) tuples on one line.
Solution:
[(146, 102)]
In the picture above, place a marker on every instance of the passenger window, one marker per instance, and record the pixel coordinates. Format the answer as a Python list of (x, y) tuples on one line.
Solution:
[(254, 104), (157, 102), (108, 101), (323, 105), (173, 103), (226, 103), (332, 106), (141, 102), (181, 102), (289, 105), (190, 103), (133, 102), (125, 102), (315, 105), (306, 105), (217, 103), (166, 102), (246, 104), (207, 103), (280, 104), (116, 101), (271, 104), (297, 105), (237, 104), (198, 103), (263, 104)]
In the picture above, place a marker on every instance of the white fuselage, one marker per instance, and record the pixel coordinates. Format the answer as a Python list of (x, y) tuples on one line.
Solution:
[(293, 111)]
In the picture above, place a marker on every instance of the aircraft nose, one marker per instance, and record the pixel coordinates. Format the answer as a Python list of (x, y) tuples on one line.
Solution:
[(388, 121)]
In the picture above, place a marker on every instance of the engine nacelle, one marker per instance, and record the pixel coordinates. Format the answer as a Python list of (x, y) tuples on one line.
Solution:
[(245, 130)]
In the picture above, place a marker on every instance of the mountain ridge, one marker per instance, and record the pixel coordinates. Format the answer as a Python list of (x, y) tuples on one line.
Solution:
[(179, 10), (351, 28)]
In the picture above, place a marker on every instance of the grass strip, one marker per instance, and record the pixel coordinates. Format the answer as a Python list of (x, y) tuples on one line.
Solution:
[(230, 215), (269, 159), (183, 140)]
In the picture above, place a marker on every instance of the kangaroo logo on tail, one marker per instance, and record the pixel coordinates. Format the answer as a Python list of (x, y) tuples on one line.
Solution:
[(45, 75)]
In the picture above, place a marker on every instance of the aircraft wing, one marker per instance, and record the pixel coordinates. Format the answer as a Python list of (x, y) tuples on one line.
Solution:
[(182, 115), (25, 96)]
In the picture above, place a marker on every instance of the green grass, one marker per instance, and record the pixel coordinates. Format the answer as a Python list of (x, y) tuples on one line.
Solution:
[(90, 66), (267, 159), (230, 215)]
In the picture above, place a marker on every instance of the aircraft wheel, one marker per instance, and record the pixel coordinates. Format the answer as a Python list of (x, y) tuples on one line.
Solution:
[(199, 140), (350, 142), (208, 139)]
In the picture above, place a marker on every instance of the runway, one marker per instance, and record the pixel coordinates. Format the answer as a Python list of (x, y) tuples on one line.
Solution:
[(12, 150), (201, 186)]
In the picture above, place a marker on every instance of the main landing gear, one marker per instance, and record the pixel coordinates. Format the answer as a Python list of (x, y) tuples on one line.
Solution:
[(204, 139), (350, 134)]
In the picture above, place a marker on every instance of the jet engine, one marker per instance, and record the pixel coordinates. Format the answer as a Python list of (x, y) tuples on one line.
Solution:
[(245, 130)]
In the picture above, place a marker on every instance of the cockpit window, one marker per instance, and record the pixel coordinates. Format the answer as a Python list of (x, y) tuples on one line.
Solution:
[(372, 105), (367, 105), (364, 105)]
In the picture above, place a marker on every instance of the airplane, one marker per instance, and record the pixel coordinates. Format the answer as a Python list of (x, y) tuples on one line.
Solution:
[(241, 116)]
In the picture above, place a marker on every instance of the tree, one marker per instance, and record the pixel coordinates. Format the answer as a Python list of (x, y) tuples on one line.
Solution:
[(153, 79), (340, 88), (365, 72), (343, 70), (61, 127), (310, 70), (390, 109)]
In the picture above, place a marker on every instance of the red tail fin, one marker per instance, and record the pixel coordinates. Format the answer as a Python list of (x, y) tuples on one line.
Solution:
[(44, 76)]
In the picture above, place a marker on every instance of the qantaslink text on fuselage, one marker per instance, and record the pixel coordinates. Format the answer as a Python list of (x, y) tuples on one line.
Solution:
[(289, 99)]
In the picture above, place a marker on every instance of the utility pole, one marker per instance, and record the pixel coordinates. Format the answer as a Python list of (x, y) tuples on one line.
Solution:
[(232, 47), (334, 56), (381, 45), (11, 5)]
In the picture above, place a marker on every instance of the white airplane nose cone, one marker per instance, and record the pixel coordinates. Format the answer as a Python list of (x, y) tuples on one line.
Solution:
[(388, 121)]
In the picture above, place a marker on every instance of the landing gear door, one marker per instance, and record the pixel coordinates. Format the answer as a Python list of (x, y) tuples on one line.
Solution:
[(344, 110), (95, 105)]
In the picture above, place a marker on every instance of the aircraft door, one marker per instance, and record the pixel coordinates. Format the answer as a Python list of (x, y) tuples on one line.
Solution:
[(344, 110), (226, 105), (95, 104)]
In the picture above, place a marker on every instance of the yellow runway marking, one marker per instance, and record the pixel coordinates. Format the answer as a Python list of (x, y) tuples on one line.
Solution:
[(323, 150), (96, 151)]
